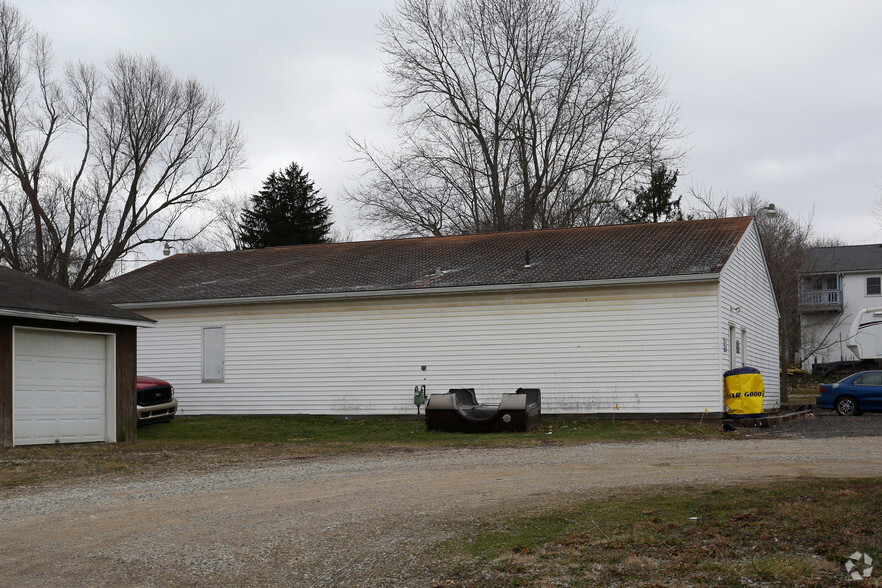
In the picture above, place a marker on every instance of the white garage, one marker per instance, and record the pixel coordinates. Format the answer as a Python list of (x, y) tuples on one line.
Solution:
[(61, 387), (638, 320), (67, 365)]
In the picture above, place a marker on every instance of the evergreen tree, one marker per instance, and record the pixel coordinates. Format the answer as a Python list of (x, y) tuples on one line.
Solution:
[(287, 211), (654, 203)]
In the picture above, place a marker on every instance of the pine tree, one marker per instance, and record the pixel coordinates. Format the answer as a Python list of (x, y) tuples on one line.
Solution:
[(654, 203), (287, 211)]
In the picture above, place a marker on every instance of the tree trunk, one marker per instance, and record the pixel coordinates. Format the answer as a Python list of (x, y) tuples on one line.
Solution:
[(785, 353)]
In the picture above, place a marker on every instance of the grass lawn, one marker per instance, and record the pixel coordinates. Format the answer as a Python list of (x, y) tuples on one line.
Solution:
[(202, 442), (333, 433), (793, 534)]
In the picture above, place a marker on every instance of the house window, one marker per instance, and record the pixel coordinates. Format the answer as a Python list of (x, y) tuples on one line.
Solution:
[(212, 354), (874, 286)]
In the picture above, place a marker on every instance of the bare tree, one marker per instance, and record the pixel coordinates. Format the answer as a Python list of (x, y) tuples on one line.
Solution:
[(821, 332), (147, 147), (512, 114), (876, 208), (220, 229)]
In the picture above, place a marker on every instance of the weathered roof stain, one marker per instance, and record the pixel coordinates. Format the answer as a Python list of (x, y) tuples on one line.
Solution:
[(556, 255)]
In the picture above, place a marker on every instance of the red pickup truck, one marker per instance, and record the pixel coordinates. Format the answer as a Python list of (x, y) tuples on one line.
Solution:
[(156, 401)]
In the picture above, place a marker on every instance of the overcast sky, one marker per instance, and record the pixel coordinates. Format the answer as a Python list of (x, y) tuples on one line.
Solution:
[(781, 98)]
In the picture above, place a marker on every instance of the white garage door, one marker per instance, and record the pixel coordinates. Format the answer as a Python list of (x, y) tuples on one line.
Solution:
[(59, 387)]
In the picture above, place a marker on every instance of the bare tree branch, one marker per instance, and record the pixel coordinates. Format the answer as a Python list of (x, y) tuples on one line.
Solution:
[(512, 115), (151, 147)]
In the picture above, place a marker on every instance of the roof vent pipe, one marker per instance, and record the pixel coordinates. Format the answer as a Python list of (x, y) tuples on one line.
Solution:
[(527, 258), (438, 271)]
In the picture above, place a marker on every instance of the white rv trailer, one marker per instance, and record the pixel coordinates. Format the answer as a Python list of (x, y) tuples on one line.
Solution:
[(865, 336)]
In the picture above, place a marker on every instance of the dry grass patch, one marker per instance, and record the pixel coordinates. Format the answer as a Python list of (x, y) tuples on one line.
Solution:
[(794, 534)]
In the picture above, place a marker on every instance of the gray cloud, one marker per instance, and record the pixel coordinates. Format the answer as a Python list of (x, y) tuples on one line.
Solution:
[(781, 97)]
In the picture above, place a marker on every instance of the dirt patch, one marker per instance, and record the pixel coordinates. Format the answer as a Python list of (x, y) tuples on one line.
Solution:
[(362, 520)]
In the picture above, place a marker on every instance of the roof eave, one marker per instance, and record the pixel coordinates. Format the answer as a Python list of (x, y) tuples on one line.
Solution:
[(75, 318), (707, 277)]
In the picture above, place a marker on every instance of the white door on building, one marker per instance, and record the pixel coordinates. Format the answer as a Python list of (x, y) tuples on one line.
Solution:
[(60, 387)]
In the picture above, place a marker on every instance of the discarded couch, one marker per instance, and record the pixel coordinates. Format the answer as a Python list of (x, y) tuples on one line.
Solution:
[(458, 411)]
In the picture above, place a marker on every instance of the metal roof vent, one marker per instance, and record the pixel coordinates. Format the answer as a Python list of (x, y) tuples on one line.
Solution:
[(438, 271)]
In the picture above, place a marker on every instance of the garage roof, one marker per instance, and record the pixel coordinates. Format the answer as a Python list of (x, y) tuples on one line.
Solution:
[(603, 253), (24, 296)]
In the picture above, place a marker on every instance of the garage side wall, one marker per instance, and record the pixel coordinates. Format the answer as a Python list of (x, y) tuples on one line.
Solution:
[(749, 316), (125, 374), (639, 349), (5, 383)]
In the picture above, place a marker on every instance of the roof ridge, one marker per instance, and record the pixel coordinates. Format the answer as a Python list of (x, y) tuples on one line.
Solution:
[(847, 246), (473, 235)]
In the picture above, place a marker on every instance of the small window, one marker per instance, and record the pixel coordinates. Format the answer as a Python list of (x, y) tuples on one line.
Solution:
[(212, 354), (874, 286), (870, 379)]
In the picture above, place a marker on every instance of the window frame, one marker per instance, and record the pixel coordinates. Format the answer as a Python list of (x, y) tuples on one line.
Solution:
[(862, 380), (222, 350)]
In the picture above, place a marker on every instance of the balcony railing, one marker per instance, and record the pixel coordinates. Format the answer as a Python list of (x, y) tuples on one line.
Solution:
[(820, 300)]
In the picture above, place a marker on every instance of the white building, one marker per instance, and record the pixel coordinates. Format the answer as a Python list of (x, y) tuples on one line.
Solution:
[(836, 283), (630, 320)]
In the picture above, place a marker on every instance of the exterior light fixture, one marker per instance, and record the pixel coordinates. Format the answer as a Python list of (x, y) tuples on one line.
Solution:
[(769, 211)]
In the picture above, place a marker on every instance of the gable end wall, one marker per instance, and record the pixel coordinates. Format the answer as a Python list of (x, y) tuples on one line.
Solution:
[(745, 286)]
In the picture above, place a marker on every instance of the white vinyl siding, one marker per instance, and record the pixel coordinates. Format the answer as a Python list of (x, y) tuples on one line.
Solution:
[(748, 310), (628, 349)]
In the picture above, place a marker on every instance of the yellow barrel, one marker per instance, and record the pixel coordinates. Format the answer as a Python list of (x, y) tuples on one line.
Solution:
[(744, 391)]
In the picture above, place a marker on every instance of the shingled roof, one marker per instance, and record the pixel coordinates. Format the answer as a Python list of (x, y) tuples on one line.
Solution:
[(849, 258), (23, 295), (615, 252)]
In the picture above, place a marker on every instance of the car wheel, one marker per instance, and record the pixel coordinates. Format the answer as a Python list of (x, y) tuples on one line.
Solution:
[(847, 406)]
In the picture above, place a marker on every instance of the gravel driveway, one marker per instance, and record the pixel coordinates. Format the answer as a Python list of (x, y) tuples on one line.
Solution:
[(363, 520)]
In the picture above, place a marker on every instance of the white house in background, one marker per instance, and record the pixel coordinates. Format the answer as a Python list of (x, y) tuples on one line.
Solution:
[(836, 283), (633, 320)]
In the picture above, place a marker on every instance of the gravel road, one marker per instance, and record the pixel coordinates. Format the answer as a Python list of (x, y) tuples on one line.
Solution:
[(364, 520)]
